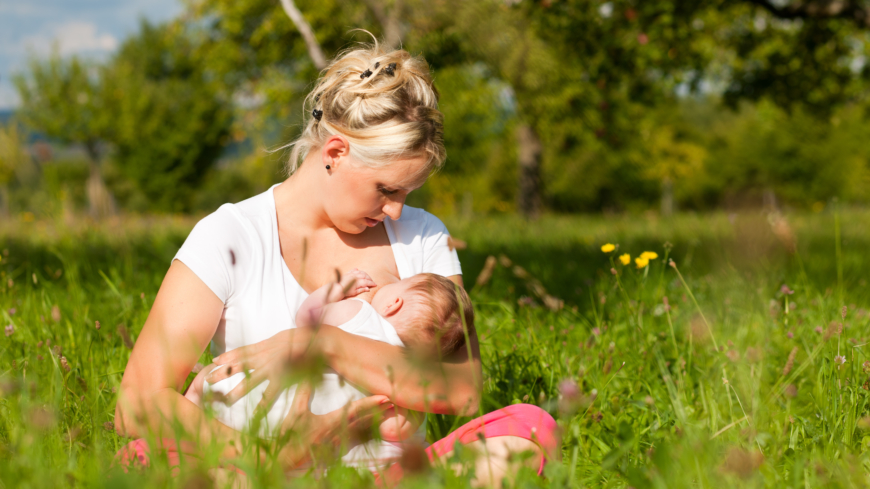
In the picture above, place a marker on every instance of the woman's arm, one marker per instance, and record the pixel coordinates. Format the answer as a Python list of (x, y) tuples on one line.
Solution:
[(182, 321), (450, 387), (453, 387)]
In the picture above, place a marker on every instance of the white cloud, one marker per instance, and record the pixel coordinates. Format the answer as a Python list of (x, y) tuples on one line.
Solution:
[(91, 28), (73, 37)]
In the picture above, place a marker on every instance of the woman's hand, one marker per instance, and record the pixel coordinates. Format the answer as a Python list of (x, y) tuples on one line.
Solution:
[(266, 360), (308, 429)]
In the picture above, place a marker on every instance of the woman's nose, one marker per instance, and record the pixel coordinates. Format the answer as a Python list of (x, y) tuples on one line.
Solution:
[(394, 209)]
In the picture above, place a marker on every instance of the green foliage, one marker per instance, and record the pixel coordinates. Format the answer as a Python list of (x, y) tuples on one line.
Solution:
[(154, 105), (610, 88), (170, 120), (805, 160), (64, 181), (61, 98), (12, 153), (650, 407)]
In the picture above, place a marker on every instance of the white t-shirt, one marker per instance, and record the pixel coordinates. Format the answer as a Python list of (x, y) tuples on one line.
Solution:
[(332, 393), (235, 251)]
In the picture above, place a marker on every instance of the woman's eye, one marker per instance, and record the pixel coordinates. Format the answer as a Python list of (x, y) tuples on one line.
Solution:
[(387, 192)]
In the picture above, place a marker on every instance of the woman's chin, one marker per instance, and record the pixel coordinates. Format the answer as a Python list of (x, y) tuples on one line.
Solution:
[(352, 227)]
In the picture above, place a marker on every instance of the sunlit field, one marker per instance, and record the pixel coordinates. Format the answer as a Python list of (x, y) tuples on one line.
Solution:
[(743, 363)]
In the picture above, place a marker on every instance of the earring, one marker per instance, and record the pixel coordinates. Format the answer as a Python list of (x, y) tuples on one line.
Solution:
[(328, 167)]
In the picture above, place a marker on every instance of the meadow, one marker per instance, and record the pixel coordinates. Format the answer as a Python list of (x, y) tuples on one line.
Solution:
[(742, 364)]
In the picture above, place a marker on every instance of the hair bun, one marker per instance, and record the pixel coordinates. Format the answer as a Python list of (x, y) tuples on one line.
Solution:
[(384, 118)]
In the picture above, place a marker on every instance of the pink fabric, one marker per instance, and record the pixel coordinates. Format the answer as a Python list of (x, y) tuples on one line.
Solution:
[(522, 420)]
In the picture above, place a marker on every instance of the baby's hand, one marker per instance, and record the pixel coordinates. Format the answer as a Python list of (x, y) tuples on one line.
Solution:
[(356, 282)]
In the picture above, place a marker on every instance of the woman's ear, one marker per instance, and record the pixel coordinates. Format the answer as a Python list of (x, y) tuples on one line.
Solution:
[(393, 308), (334, 150)]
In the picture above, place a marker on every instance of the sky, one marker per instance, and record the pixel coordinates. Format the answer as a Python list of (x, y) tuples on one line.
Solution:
[(89, 28)]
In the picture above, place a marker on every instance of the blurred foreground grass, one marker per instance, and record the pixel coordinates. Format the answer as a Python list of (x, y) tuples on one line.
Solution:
[(642, 394)]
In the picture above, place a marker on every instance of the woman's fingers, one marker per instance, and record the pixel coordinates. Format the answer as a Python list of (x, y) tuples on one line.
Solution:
[(361, 415), (245, 386), (367, 406), (270, 394), (221, 373), (299, 415), (232, 356), (242, 353), (302, 398)]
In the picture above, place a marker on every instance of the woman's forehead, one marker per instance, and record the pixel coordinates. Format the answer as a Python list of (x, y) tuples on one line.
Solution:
[(408, 174)]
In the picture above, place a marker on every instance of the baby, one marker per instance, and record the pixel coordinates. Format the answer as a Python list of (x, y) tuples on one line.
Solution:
[(424, 313)]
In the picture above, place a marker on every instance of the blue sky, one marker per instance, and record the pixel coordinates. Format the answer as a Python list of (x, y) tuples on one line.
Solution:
[(90, 28)]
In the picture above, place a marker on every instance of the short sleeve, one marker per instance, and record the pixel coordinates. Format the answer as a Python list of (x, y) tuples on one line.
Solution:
[(213, 251), (438, 257)]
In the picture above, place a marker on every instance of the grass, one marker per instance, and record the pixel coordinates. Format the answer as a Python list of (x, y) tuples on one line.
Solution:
[(642, 394)]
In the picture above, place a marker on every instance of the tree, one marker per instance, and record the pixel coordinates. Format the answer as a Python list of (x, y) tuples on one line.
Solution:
[(583, 77), (62, 99), (170, 117), (155, 107), (616, 60), (12, 157)]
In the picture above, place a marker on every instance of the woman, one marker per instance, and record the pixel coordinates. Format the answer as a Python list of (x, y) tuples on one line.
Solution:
[(374, 134)]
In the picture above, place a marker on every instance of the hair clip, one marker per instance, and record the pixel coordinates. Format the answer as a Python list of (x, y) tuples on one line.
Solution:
[(317, 114), (377, 64), (365, 74), (390, 69)]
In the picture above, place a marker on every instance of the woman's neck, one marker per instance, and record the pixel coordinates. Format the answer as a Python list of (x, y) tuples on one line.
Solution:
[(298, 200)]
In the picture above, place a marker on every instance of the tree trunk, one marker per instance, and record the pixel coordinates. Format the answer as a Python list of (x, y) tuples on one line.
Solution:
[(769, 200), (389, 23), (667, 197), (4, 201), (529, 192), (101, 203)]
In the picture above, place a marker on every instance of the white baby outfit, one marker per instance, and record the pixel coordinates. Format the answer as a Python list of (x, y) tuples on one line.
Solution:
[(236, 252), (333, 393)]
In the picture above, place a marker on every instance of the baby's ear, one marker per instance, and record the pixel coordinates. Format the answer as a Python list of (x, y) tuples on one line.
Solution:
[(394, 307)]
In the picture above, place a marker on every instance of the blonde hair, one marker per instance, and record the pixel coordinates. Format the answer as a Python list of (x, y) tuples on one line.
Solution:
[(384, 103), (446, 313)]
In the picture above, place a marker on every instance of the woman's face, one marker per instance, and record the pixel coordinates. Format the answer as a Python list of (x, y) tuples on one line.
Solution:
[(360, 197)]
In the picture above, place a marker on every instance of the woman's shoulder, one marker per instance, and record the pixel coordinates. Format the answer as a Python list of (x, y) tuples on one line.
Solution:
[(250, 216), (424, 243), (418, 222), (225, 244)]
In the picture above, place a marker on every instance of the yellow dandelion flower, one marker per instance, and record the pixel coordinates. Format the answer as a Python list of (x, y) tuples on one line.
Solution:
[(641, 261), (649, 255), (608, 248), (625, 258)]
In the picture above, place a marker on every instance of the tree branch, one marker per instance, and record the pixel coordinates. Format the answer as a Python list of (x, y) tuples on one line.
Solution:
[(853, 10), (304, 28), (389, 23)]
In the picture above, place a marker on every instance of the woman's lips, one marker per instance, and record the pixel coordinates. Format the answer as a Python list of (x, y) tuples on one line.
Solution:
[(371, 222)]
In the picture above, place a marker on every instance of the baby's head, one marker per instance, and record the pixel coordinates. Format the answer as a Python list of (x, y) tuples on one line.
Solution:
[(427, 310)]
